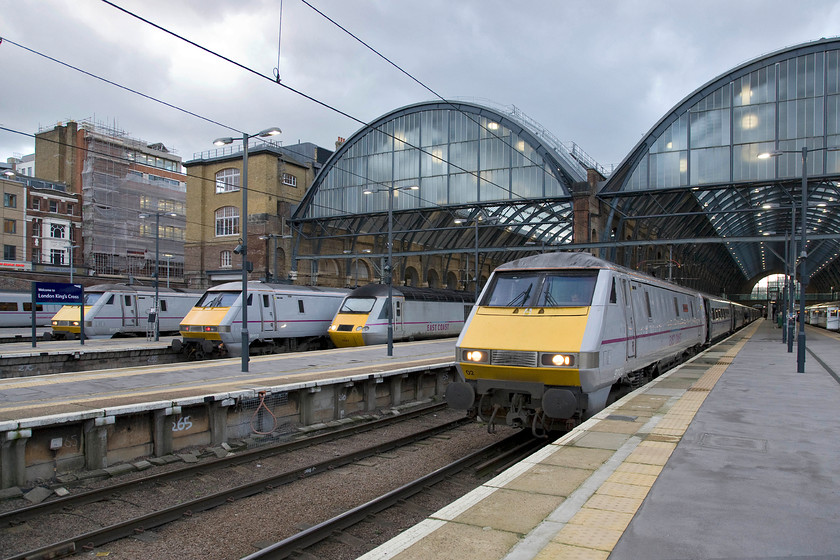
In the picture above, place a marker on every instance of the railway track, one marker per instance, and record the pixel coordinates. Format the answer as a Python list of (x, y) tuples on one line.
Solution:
[(37, 514), (508, 451)]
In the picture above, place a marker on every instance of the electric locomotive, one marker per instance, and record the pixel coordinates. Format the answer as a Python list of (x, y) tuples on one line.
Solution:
[(552, 333), (121, 310), (281, 318), (419, 313)]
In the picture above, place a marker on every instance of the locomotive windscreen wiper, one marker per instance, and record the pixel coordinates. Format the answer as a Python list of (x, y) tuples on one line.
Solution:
[(523, 295)]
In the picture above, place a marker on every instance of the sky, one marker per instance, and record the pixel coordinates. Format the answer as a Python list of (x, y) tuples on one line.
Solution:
[(596, 73)]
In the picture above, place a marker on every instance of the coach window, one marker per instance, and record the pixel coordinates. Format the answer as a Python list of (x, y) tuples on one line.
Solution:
[(265, 300), (613, 296), (163, 305), (676, 307), (647, 304), (127, 300), (300, 306)]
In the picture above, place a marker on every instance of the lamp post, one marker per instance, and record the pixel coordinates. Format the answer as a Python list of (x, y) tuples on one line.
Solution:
[(71, 247), (480, 216), (388, 272), (243, 247), (157, 268), (803, 255), (168, 258)]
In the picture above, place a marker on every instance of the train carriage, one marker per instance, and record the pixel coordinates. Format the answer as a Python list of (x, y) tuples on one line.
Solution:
[(419, 313), (16, 310)]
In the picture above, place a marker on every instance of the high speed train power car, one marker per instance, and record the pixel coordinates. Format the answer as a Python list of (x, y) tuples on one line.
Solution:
[(281, 318), (419, 313), (121, 310), (552, 333)]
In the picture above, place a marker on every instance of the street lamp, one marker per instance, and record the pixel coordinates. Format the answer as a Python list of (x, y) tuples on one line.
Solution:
[(803, 255), (157, 267), (243, 247), (388, 272)]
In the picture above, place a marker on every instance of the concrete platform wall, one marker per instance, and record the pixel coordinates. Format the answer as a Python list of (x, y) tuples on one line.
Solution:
[(41, 449)]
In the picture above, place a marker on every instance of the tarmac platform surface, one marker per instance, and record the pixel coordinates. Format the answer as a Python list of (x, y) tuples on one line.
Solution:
[(733, 455)]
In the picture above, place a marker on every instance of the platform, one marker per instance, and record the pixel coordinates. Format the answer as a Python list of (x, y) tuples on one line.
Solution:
[(732, 455)]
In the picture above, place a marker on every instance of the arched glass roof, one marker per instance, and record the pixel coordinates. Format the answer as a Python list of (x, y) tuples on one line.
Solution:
[(446, 161), (703, 158)]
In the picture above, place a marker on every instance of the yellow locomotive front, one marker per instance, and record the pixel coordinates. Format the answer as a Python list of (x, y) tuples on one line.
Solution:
[(209, 323), (523, 350)]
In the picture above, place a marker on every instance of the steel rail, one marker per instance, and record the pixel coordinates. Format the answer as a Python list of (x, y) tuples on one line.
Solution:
[(321, 531), (92, 539)]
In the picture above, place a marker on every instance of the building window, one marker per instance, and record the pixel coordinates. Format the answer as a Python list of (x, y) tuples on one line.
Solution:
[(36, 255), (36, 203), (9, 252), (227, 180), (289, 179), (57, 256), (226, 259), (9, 226), (57, 231), (36, 228), (70, 208), (227, 221), (54, 206), (9, 200)]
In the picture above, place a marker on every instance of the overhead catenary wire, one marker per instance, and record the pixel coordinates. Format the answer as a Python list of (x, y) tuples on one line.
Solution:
[(300, 93)]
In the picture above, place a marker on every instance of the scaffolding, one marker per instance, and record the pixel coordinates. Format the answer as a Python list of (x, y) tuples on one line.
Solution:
[(133, 194)]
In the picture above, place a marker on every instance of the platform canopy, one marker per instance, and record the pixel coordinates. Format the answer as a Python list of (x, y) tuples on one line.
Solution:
[(700, 177)]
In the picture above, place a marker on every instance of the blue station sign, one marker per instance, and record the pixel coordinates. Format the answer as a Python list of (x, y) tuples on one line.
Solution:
[(60, 293)]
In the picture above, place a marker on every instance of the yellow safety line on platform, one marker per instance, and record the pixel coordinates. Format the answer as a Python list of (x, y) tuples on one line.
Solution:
[(594, 531)]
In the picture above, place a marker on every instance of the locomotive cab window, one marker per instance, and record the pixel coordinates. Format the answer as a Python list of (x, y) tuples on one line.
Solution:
[(542, 289), (357, 305), (218, 299)]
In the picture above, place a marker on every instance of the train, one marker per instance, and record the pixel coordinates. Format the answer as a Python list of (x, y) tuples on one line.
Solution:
[(419, 313), (552, 334), (16, 310), (281, 318), (825, 315), (113, 310)]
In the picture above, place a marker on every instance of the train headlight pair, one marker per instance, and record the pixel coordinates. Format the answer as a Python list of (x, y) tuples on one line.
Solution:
[(557, 360), (475, 356), (362, 328)]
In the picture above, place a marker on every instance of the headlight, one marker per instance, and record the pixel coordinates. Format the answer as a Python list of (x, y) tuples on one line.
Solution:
[(211, 329), (332, 328), (476, 356), (558, 360), (75, 323)]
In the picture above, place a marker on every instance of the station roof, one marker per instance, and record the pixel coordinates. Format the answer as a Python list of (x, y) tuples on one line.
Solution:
[(464, 177), (698, 175), (460, 173)]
